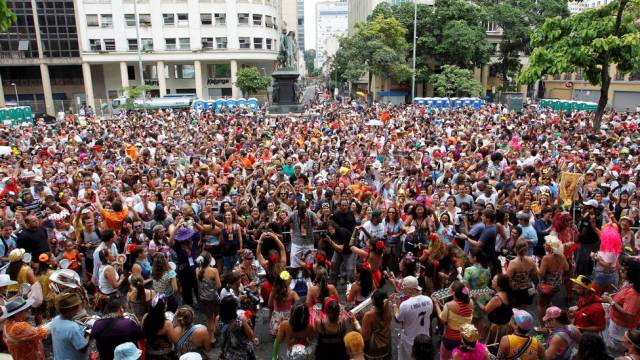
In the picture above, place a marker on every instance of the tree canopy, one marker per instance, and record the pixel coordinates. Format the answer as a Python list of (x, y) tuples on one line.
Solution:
[(379, 46), (7, 17), (455, 81), (589, 41), (251, 80)]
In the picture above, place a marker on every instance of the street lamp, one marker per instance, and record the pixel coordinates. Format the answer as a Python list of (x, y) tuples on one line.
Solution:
[(15, 88), (415, 26)]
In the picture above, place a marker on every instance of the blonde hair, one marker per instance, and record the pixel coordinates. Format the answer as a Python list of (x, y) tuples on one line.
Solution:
[(555, 244)]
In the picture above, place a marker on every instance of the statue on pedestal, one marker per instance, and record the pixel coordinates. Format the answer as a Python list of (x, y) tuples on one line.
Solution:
[(287, 58)]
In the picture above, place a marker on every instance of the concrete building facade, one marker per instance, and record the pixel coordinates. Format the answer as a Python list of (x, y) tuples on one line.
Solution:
[(187, 46), (40, 57), (331, 23)]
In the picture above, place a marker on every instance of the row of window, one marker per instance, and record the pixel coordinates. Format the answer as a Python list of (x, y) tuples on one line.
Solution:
[(181, 71), (619, 76), (208, 43), (182, 19)]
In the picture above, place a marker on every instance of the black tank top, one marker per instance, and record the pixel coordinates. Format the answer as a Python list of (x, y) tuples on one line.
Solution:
[(500, 315)]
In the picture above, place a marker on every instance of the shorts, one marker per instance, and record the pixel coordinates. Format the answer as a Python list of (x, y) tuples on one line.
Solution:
[(297, 254)]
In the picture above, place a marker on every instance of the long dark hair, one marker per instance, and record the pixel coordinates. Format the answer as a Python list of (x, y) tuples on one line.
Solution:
[(365, 280), (137, 281), (299, 319), (206, 256), (154, 320), (14, 269), (321, 280), (458, 289), (160, 266), (280, 290), (591, 347), (378, 299), (228, 309)]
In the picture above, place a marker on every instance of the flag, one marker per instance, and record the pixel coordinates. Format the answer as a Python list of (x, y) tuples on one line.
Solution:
[(568, 187)]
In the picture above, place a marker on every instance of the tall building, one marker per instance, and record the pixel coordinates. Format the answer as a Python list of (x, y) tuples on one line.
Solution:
[(300, 34), (187, 46), (331, 22), (40, 57), (359, 10)]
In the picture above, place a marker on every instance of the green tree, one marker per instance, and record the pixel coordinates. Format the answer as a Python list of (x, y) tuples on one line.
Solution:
[(133, 93), (591, 41), (250, 80), (382, 46), (517, 19), (455, 81), (309, 60), (343, 68), (7, 17), (450, 32)]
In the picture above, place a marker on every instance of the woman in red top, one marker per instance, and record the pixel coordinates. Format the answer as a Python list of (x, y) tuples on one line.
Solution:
[(454, 314)]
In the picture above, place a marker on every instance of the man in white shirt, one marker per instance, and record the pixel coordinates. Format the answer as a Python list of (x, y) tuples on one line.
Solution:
[(414, 316)]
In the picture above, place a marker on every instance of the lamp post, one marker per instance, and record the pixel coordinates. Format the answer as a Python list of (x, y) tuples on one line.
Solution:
[(415, 26), (15, 88)]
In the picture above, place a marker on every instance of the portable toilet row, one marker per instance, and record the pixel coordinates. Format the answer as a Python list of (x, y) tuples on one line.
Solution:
[(16, 115)]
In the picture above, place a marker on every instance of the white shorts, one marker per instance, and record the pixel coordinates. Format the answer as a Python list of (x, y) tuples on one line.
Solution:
[(297, 254)]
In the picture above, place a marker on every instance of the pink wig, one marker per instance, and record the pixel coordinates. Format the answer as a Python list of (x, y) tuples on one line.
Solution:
[(610, 240)]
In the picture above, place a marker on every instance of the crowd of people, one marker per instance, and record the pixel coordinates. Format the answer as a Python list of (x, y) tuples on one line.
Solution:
[(352, 231)]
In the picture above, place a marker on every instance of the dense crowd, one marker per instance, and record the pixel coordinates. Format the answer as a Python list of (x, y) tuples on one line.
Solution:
[(354, 231)]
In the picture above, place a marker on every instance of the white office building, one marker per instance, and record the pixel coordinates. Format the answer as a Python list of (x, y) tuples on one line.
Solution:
[(187, 46), (332, 20)]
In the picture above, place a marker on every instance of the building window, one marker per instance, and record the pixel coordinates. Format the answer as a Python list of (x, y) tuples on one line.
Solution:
[(221, 19), (619, 75), (110, 44), (219, 70), (150, 72), (133, 44), (634, 76), (268, 21), (245, 43), (147, 44), (130, 19), (106, 20), (184, 72), (557, 77), (257, 19), (243, 19), (207, 43), (579, 74), (170, 43), (269, 44), (206, 19), (300, 21), (131, 72), (95, 45), (185, 44), (169, 19), (221, 42), (183, 19), (257, 43), (92, 20), (145, 19)]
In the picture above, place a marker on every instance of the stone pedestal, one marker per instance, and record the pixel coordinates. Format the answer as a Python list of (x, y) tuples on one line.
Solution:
[(284, 87), (284, 96)]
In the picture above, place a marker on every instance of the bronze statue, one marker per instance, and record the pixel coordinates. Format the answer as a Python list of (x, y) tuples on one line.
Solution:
[(287, 58)]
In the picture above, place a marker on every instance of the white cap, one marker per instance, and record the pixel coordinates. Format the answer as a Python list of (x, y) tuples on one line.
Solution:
[(411, 282)]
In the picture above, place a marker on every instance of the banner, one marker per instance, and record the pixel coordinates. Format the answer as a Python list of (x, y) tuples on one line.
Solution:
[(568, 187)]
